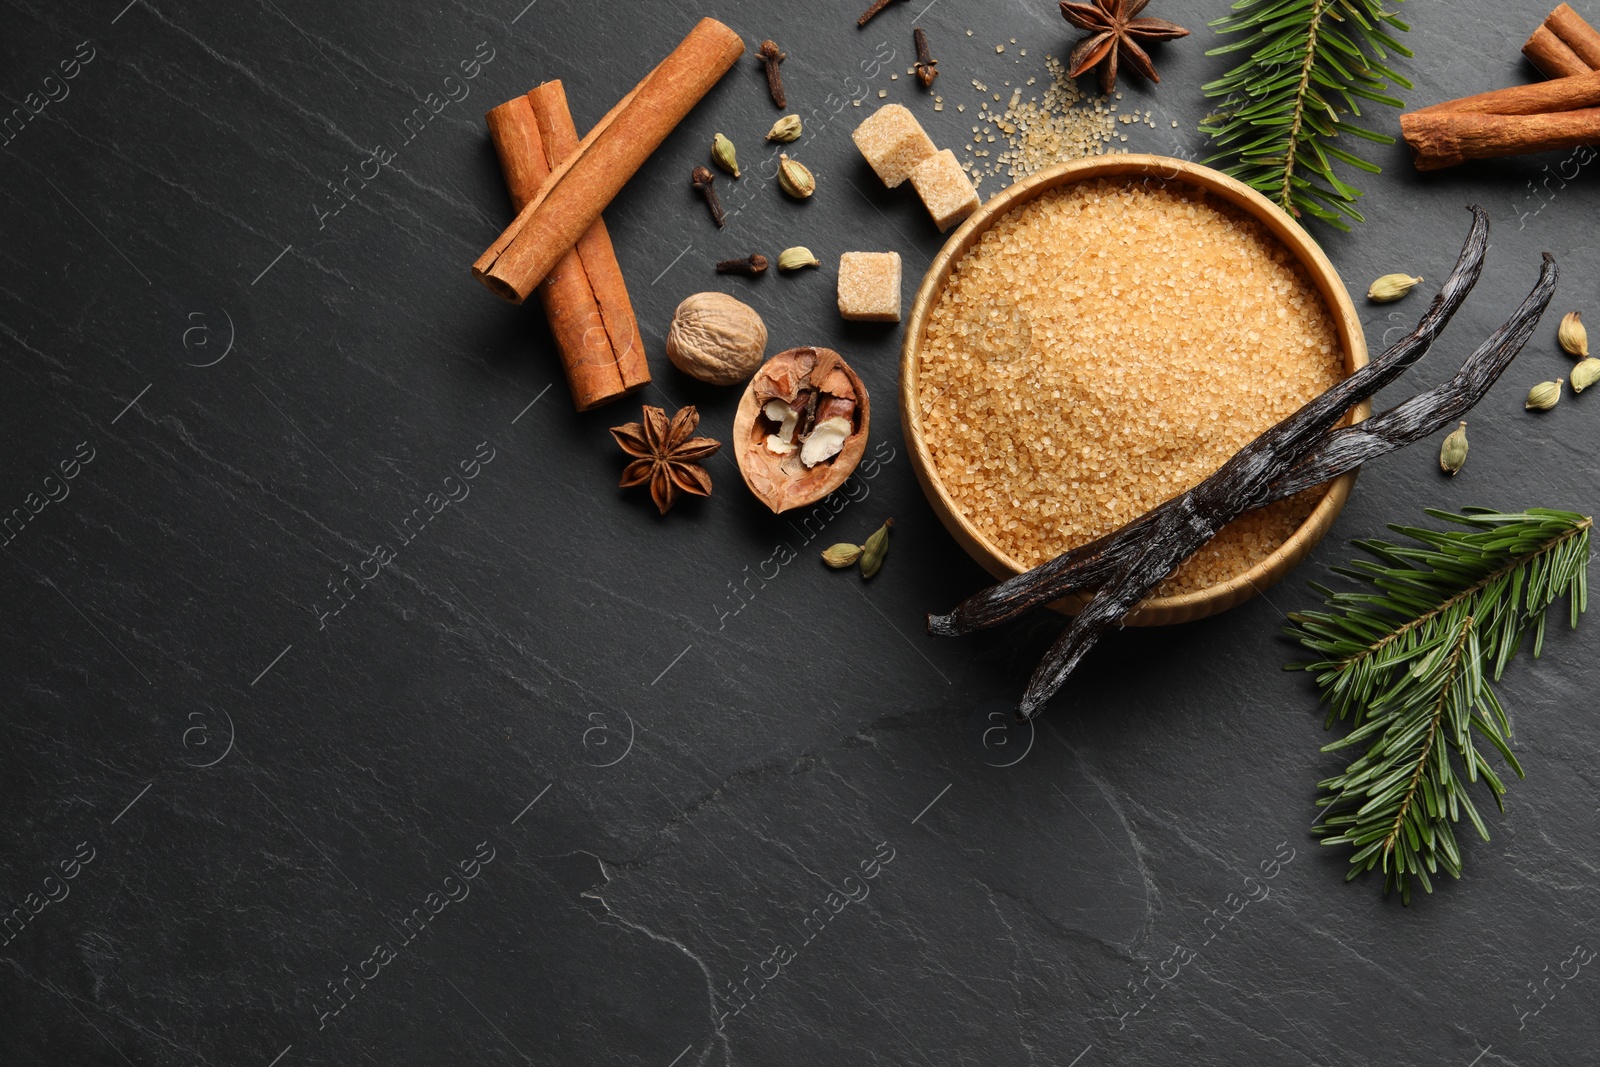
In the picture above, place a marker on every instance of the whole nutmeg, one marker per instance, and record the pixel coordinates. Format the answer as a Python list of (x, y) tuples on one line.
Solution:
[(716, 339)]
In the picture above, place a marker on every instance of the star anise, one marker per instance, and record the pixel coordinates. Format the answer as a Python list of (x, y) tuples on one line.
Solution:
[(1115, 31), (665, 455)]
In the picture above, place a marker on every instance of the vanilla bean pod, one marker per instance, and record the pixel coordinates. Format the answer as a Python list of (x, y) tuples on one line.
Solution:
[(1341, 452), (1244, 477), (1426, 413)]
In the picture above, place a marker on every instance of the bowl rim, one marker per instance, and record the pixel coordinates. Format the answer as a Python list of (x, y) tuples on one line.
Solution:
[(1156, 610)]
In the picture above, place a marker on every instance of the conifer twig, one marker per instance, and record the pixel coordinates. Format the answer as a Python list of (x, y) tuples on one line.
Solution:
[(1409, 659), (1310, 64)]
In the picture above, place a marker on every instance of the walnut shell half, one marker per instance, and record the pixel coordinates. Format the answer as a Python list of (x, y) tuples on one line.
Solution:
[(809, 380)]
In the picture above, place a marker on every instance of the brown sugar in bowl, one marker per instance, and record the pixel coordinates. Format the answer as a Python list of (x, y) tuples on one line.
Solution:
[(1007, 337)]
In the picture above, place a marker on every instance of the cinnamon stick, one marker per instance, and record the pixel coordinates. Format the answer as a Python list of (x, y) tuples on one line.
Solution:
[(580, 188), (1539, 98), (584, 297), (1553, 56), (624, 345), (1447, 138), (514, 131), (1576, 34), (1563, 112)]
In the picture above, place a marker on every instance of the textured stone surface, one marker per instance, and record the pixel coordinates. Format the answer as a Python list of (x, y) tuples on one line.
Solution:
[(256, 793)]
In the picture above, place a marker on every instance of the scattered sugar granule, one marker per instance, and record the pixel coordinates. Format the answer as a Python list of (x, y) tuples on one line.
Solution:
[(1062, 124)]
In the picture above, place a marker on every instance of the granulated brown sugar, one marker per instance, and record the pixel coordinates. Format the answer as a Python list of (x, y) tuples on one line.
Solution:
[(1066, 123), (1107, 346)]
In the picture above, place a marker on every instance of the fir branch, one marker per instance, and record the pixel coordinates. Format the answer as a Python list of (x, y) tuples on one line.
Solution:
[(1311, 63), (1408, 660)]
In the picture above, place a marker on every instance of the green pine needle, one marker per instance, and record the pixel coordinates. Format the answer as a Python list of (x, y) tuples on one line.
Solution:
[(1310, 64), (1408, 660)]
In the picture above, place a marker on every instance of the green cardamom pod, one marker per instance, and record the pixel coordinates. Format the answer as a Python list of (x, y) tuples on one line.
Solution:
[(1585, 374), (1453, 455), (795, 178), (1573, 337), (1543, 396), (724, 156), (876, 548), (797, 257), (841, 555), (1391, 287), (785, 130)]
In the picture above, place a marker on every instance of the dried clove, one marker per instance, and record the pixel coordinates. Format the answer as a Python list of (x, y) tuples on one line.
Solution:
[(770, 56), (868, 15), (753, 265), (927, 66), (703, 181)]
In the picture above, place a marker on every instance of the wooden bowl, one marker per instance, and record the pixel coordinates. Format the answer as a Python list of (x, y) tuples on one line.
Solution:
[(1156, 610)]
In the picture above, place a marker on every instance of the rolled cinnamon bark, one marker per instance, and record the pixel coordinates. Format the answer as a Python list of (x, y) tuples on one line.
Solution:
[(623, 347), (1576, 34), (1538, 98), (514, 131), (595, 346), (570, 202), (1553, 56), (1446, 138)]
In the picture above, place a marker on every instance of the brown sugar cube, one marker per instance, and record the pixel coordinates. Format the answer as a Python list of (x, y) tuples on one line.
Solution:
[(945, 189), (894, 143), (869, 286)]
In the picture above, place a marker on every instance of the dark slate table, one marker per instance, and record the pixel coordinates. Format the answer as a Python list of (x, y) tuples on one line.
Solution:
[(568, 783)]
